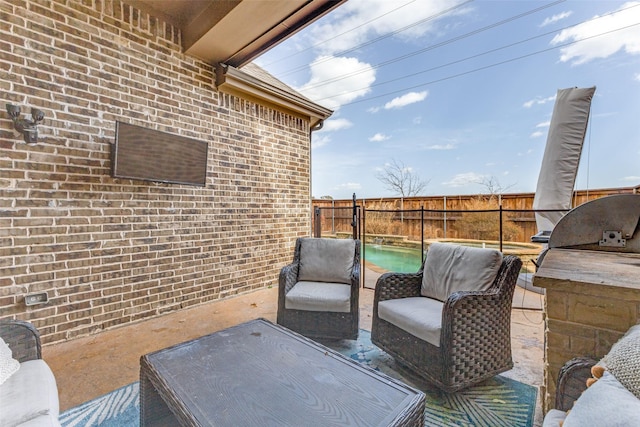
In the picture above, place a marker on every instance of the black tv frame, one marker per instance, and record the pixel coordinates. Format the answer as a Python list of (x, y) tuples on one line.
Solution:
[(151, 155)]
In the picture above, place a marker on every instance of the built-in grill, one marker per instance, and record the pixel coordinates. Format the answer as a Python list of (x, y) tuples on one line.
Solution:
[(609, 224), (590, 274)]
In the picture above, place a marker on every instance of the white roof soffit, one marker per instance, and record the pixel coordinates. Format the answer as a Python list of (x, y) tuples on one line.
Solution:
[(236, 82)]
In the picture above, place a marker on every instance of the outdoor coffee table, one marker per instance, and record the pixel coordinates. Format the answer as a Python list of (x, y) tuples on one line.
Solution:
[(261, 374)]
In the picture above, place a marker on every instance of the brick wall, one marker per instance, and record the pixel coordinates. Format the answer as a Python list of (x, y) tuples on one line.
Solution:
[(113, 251), (592, 299)]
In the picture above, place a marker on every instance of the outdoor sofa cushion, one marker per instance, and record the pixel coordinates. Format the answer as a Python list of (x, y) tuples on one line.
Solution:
[(30, 396), (605, 403), (451, 268), (326, 260), (319, 296), (419, 316), (553, 418)]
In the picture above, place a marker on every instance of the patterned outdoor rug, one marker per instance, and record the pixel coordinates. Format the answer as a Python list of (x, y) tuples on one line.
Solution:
[(495, 403)]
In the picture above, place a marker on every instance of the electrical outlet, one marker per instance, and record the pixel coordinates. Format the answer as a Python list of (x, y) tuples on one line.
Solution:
[(34, 299)]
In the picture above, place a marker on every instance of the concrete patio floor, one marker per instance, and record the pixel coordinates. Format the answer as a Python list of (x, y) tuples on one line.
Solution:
[(91, 366)]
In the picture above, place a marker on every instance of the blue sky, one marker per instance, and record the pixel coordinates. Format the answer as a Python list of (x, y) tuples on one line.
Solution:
[(461, 92)]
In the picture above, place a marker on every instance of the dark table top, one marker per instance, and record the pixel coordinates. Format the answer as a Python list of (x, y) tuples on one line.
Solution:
[(260, 374)]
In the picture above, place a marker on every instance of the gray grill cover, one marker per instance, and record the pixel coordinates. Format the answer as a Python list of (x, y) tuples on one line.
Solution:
[(562, 154)]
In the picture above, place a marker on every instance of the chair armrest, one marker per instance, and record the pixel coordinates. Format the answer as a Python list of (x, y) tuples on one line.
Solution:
[(22, 338), (398, 285), (486, 308), (572, 381), (288, 277)]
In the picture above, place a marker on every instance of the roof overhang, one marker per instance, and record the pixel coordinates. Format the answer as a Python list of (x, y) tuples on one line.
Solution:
[(235, 32), (236, 82)]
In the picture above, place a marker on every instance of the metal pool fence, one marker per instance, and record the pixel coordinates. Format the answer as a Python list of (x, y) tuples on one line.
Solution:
[(415, 228)]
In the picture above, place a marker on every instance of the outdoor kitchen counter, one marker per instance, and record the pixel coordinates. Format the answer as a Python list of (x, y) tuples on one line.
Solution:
[(592, 299)]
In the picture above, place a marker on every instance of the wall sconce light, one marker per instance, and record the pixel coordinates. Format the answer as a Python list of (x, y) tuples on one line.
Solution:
[(28, 128)]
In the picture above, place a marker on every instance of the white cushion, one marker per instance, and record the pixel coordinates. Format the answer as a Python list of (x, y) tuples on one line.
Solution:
[(32, 392), (553, 418), (319, 296), (48, 420), (623, 360), (8, 365), (419, 316), (452, 268), (605, 404), (326, 260)]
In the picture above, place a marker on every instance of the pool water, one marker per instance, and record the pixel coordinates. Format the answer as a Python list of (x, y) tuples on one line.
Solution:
[(390, 258)]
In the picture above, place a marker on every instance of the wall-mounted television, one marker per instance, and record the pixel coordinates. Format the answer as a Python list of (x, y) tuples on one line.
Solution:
[(151, 155)]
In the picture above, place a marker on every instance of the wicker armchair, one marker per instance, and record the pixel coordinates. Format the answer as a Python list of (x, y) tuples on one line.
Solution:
[(22, 338), (572, 381), (474, 335), (318, 293)]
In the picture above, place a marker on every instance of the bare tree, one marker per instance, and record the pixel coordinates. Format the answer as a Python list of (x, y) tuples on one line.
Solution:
[(493, 186), (401, 179)]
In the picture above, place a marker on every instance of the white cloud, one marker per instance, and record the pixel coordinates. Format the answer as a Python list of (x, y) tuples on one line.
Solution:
[(441, 147), (599, 38), (318, 141), (333, 125), (328, 85), (556, 18), (463, 179), (406, 99), (529, 151), (359, 21), (637, 77), (538, 101), (544, 124), (631, 178), (379, 137), (373, 110), (349, 186), (536, 134)]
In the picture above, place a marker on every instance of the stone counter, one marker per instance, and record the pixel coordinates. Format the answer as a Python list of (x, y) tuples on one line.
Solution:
[(592, 299)]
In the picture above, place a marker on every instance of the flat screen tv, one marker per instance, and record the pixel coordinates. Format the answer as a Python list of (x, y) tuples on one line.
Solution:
[(151, 155)]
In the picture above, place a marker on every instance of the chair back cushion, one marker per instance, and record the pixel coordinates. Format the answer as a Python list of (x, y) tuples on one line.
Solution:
[(326, 260), (452, 268)]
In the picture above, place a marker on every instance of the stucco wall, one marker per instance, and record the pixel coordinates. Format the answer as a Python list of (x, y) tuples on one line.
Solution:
[(112, 251)]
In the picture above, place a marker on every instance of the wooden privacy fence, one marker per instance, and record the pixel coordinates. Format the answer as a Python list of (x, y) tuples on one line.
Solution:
[(508, 217)]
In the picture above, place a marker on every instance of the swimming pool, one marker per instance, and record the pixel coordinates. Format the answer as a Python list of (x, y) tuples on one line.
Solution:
[(391, 258), (409, 260)]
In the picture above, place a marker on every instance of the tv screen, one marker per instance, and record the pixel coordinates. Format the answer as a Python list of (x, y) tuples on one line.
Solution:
[(151, 155)]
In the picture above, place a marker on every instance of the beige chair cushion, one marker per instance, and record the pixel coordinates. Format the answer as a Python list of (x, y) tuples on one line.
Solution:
[(452, 268), (319, 296), (326, 260), (419, 316)]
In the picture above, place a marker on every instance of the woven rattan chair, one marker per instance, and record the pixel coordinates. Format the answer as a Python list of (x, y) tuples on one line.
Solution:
[(471, 329), (318, 293), (22, 338)]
